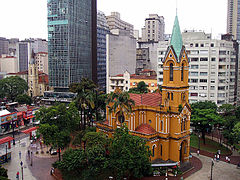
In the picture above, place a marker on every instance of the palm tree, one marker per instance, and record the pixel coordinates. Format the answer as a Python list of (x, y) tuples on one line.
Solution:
[(120, 101)]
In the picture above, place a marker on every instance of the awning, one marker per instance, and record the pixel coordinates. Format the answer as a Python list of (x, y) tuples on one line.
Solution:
[(29, 117), (6, 139), (30, 130)]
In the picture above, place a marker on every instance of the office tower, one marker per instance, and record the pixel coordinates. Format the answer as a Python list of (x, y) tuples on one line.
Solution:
[(41, 59), (102, 31), (212, 71), (114, 22), (154, 28), (233, 18), (72, 42), (3, 46)]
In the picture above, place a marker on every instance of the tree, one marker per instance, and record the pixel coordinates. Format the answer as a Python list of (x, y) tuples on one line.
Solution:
[(236, 133), (3, 173), (24, 99), (226, 109), (13, 86), (120, 101), (57, 123), (128, 155), (204, 116), (140, 89)]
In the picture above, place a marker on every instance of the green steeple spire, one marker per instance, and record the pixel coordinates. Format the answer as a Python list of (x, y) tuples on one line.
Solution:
[(176, 39)]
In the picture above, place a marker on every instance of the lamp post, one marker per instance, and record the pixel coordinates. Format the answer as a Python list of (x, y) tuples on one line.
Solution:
[(21, 163), (6, 154), (13, 133), (212, 169), (199, 141), (31, 158)]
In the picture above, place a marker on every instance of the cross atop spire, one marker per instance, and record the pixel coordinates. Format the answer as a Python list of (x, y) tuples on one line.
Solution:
[(176, 39)]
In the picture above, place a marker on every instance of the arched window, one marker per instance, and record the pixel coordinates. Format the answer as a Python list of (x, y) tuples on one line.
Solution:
[(153, 150), (182, 72), (161, 126), (171, 96), (171, 72), (161, 149), (168, 95)]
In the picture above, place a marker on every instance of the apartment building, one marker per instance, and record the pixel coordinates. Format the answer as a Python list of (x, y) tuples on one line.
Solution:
[(154, 28), (121, 81), (114, 22), (212, 70)]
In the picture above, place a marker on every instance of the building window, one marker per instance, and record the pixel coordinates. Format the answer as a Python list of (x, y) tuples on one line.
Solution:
[(153, 150), (171, 96), (182, 72), (161, 149), (171, 72), (168, 95)]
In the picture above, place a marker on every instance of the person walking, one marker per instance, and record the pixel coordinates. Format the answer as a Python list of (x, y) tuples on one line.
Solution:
[(20, 154), (28, 154), (17, 175)]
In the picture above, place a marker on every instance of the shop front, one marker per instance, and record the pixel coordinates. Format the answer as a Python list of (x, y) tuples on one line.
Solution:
[(8, 122)]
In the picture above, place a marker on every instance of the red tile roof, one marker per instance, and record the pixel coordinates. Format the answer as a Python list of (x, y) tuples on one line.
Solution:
[(145, 129), (119, 75), (19, 73), (148, 99), (42, 78)]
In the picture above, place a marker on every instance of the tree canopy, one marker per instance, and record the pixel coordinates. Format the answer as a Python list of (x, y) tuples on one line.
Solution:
[(24, 99), (13, 86), (140, 89)]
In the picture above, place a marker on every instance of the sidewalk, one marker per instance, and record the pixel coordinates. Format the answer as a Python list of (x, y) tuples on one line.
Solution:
[(13, 166)]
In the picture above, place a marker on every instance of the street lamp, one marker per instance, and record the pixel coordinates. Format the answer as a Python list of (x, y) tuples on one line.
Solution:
[(199, 141), (212, 169), (13, 126), (31, 158), (21, 163)]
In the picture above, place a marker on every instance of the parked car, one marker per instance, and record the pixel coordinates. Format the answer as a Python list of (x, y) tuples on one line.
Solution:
[(53, 151)]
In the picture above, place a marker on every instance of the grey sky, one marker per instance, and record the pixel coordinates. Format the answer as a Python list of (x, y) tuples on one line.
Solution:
[(28, 18)]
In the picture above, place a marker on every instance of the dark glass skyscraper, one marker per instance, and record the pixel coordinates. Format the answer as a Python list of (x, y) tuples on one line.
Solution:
[(71, 41)]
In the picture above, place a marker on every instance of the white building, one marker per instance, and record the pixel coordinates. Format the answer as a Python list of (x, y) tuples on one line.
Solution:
[(212, 67), (154, 28), (121, 81), (114, 22), (42, 61), (8, 64)]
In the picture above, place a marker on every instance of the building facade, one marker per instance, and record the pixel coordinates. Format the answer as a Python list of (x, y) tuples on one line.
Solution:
[(142, 60), (72, 42), (212, 73), (121, 53), (121, 81), (3, 46), (233, 18), (114, 22), (8, 64), (154, 28), (42, 61), (102, 31), (158, 118)]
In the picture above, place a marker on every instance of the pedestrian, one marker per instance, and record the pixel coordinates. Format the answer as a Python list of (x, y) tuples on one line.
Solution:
[(226, 159), (52, 171), (17, 175), (229, 160), (215, 157), (218, 157), (28, 154), (20, 154), (198, 152)]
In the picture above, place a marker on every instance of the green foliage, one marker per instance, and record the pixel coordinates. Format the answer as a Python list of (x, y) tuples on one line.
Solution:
[(24, 99), (13, 86), (122, 156), (236, 132), (129, 155), (56, 124), (120, 101), (140, 89), (226, 109), (3, 173), (204, 116), (180, 108)]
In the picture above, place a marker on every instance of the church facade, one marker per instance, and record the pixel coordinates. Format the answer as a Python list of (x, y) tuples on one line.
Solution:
[(162, 119)]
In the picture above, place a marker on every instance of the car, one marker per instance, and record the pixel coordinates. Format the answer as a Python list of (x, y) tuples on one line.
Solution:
[(53, 151)]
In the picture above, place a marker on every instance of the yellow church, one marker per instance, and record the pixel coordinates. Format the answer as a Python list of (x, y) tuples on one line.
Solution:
[(163, 120)]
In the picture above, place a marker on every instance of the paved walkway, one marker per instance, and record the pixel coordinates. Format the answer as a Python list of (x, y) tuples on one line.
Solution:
[(41, 164), (13, 166), (221, 170)]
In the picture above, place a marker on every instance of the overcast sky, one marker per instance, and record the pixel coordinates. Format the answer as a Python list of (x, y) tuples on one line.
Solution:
[(28, 18)]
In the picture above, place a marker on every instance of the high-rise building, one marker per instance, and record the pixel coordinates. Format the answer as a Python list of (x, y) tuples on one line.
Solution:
[(3, 46), (233, 18), (212, 70), (72, 42), (41, 59), (114, 22), (154, 28), (121, 53), (102, 31)]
